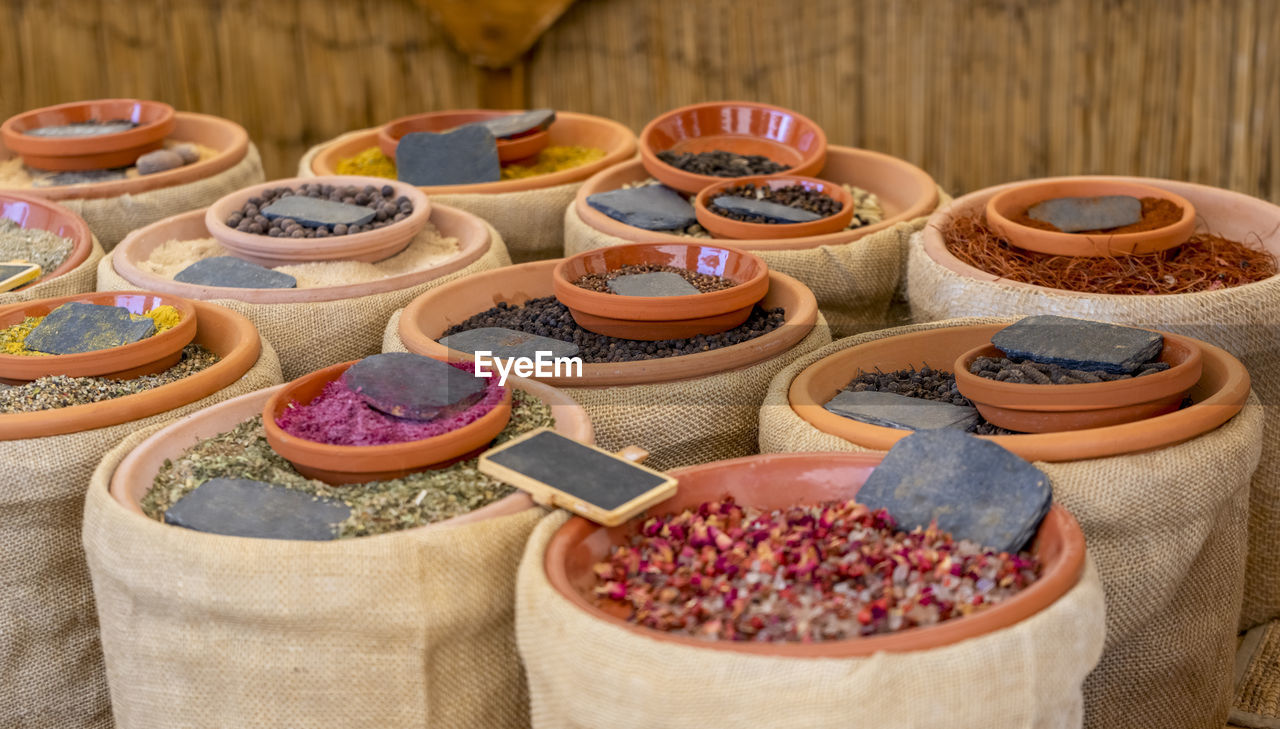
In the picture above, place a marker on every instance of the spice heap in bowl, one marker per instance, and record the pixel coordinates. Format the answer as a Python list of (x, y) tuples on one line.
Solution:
[(467, 147)]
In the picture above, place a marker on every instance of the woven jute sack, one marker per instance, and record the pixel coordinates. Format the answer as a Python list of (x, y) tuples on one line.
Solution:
[(406, 630), (1167, 531), (1241, 321), (112, 218), (680, 423), (854, 282), (313, 335), (585, 673), (79, 280), (531, 221), (52, 669)]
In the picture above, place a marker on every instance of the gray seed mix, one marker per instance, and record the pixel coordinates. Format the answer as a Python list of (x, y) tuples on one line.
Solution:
[(36, 245), (376, 508)]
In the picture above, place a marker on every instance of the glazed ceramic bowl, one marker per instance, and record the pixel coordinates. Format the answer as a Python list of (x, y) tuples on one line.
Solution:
[(1217, 397), (228, 140), (428, 317), (472, 233), (368, 246), (360, 464), (1014, 200), (154, 354), (222, 331), (29, 211), (155, 122), (785, 480), (137, 472), (739, 127), (652, 318), (722, 227), (905, 192), (509, 150), (570, 129), (1030, 408)]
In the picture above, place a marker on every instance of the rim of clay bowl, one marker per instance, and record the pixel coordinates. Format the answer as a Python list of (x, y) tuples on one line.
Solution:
[(740, 230), (154, 121)]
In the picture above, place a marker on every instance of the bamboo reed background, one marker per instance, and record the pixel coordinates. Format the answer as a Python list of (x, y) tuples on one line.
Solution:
[(975, 91)]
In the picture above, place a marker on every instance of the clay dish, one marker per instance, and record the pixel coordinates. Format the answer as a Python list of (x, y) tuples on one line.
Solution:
[(509, 150), (95, 152), (781, 481), (653, 318), (722, 227), (154, 354), (30, 211), (739, 127)]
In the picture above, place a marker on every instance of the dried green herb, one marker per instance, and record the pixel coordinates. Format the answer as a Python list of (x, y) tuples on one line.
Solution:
[(376, 508), (60, 391)]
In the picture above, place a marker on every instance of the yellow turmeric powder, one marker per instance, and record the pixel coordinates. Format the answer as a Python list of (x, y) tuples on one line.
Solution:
[(373, 163)]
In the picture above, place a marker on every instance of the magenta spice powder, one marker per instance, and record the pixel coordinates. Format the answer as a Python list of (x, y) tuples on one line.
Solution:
[(339, 416), (808, 573)]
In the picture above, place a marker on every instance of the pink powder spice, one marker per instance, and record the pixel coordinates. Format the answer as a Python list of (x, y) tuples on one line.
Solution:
[(340, 417)]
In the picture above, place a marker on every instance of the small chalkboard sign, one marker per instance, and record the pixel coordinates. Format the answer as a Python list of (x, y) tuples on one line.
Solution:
[(591, 482)]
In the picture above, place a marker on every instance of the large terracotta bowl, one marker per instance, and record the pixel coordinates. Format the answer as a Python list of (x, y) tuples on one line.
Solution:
[(570, 129), (740, 127), (30, 211), (97, 152), (229, 140), (509, 150), (1230, 214), (340, 464), (1013, 201), (653, 318), (136, 473), (427, 317), (1218, 395), (154, 354), (368, 246), (905, 192), (784, 480), (473, 242), (1029, 408), (722, 227), (227, 334)]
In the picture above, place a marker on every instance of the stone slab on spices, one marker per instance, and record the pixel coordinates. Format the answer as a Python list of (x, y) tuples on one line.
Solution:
[(767, 209), (243, 508), (77, 327), (892, 410), (463, 156), (651, 207), (1078, 344), (515, 125), (508, 343), (658, 283), (236, 273), (1075, 214), (411, 386), (313, 212)]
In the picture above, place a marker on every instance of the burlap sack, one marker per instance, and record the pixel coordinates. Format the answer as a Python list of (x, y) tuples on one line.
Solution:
[(531, 221), (112, 218), (854, 282), (1167, 531), (680, 423), (1242, 321), (313, 335), (79, 280), (407, 630), (585, 673), (52, 669)]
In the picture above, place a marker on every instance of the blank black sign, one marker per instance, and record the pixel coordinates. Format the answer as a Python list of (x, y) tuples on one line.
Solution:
[(568, 466), (9, 270)]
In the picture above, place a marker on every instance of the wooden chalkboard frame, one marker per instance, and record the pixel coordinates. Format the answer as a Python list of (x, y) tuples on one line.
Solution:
[(549, 495)]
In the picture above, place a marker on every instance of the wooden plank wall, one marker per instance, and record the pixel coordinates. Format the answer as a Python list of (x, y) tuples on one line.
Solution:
[(975, 91)]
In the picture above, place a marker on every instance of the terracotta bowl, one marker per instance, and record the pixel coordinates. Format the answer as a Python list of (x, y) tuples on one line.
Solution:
[(154, 354), (1055, 408), (653, 318), (1016, 199), (473, 242), (570, 129), (360, 464), (784, 480), (427, 317), (368, 246), (29, 211), (509, 150), (740, 127), (227, 334), (1218, 395), (136, 473), (722, 227), (104, 151), (905, 191), (228, 139)]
